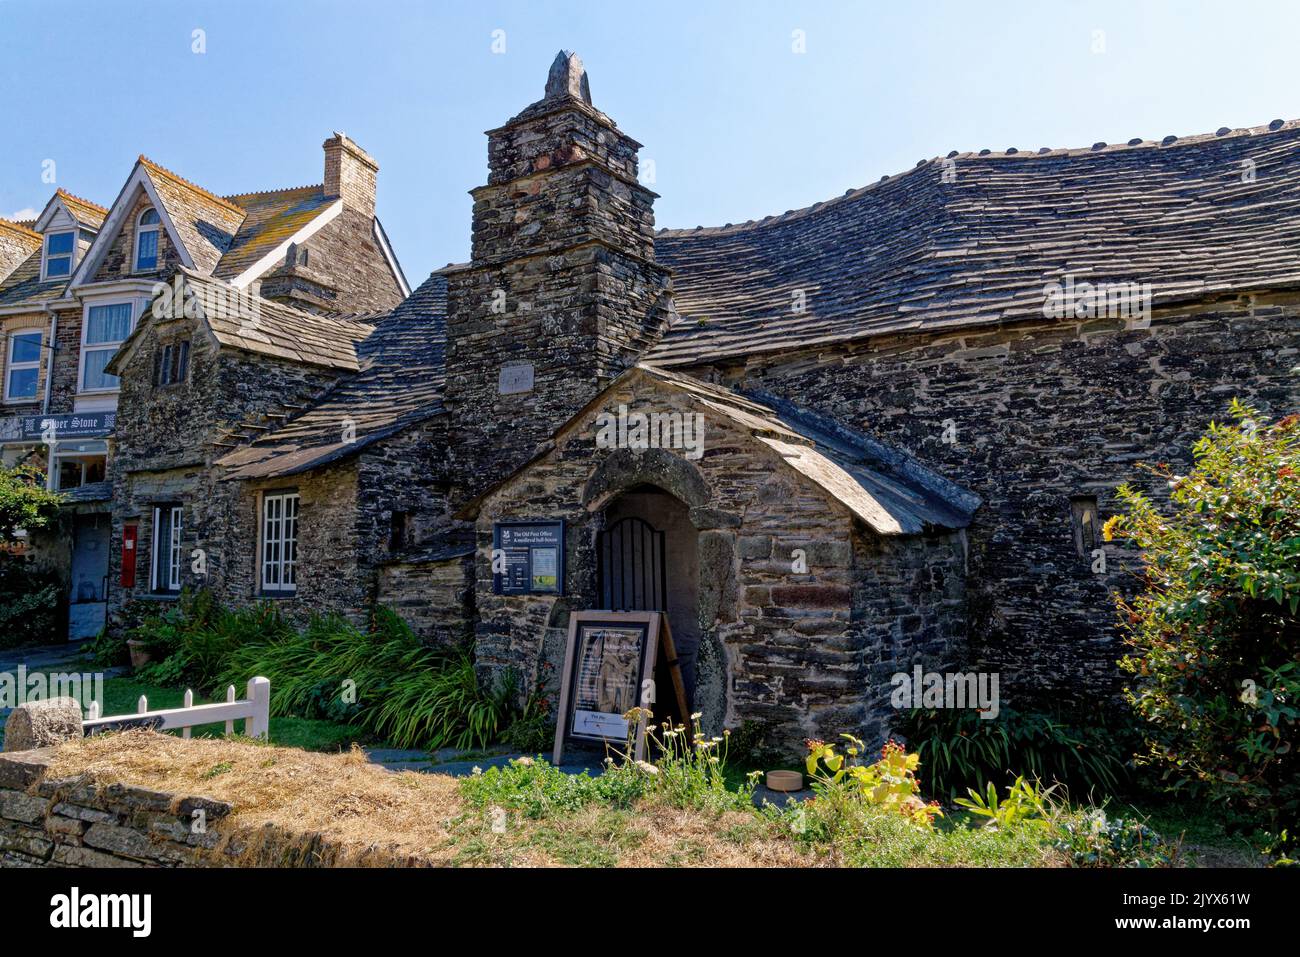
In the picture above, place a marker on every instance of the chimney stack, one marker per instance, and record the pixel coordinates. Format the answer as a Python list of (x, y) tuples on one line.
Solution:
[(350, 172)]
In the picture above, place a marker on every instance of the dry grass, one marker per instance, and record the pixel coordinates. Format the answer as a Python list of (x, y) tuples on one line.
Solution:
[(373, 815)]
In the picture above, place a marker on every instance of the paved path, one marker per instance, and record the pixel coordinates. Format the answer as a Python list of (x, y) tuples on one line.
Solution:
[(460, 763)]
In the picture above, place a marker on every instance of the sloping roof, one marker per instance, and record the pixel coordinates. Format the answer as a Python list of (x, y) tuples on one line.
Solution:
[(885, 488), (207, 224), (400, 383), (85, 212), (273, 217), (240, 320), (24, 285), (1193, 217)]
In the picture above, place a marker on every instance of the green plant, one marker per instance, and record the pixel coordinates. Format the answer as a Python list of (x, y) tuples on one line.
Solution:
[(960, 750), (31, 603), (25, 503), (536, 789), (532, 729), (888, 784), (1094, 840), (1214, 627), (1024, 802), (684, 769)]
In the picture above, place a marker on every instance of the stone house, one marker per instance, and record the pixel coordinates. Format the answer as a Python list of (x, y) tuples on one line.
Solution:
[(883, 431), (315, 254)]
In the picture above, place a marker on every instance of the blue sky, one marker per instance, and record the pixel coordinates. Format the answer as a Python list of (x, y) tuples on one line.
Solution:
[(738, 125)]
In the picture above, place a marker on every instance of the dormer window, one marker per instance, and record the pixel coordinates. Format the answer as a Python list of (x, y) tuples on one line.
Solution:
[(59, 250), (146, 241)]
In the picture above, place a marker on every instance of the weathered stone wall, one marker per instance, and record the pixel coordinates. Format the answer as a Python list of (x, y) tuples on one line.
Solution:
[(433, 594), (797, 651), (119, 258), (343, 271), (562, 278), (1042, 413), (73, 822)]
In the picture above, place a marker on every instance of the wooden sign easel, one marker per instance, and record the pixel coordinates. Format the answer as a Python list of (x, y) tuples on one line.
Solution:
[(589, 673)]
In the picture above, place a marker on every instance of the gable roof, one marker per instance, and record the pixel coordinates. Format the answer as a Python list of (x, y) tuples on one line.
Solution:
[(248, 323), (399, 384), (236, 238), (88, 214), (922, 250), (884, 488)]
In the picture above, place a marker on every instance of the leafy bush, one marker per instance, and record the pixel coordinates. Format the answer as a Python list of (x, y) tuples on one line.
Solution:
[(31, 604), (959, 750), (536, 789), (1097, 841), (848, 791), (1213, 632), (381, 679), (1024, 802), (24, 503)]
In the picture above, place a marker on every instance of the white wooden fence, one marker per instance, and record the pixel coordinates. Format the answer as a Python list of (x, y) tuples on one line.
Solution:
[(255, 711)]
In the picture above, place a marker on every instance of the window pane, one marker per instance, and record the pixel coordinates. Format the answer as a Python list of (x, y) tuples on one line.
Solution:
[(147, 253), (22, 383), (25, 347), (96, 377), (149, 217), (108, 323), (58, 244), (59, 266)]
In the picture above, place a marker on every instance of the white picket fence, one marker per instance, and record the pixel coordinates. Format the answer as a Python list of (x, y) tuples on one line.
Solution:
[(254, 711)]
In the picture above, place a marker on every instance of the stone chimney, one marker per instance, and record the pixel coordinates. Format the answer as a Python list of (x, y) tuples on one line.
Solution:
[(562, 292), (350, 172)]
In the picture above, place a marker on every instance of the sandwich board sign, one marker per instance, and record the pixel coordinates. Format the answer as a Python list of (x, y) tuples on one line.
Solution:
[(609, 666)]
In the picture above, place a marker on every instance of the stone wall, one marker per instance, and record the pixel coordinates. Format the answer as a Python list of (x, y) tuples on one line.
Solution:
[(795, 651), (562, 279), (72, 822), (433, 594), (1038, 414)]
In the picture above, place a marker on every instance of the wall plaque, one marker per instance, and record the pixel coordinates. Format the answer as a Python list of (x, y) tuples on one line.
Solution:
[(515, 379), (528, 558)]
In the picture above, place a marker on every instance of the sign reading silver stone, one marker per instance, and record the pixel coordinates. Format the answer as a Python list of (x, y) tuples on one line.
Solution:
[(515, 379)]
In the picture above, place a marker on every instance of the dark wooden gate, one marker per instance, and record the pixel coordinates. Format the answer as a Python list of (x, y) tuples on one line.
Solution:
[(631, 566)]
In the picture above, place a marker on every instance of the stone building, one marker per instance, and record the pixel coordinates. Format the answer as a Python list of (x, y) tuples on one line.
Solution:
[(831, 445), (75, 289)]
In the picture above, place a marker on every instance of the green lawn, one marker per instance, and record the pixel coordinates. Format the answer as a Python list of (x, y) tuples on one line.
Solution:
[(122, 696)]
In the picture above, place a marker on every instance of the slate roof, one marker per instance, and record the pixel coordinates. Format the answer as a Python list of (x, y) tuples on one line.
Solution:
[(206, 223), (239, 320), (85, 212), (883, 487), (400, 383), (24, 285), (272, 218), (913, 252)]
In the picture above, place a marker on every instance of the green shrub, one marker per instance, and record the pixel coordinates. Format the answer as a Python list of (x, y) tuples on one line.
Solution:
[(24, 503), (536, 789), (1214, 629), (32, 607), (959, 750), (1093, 840)]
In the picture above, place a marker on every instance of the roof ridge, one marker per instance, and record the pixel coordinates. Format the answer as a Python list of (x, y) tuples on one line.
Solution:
[(20, 228), (266, 192), (192, 185), (60, 191), (1167, 142)]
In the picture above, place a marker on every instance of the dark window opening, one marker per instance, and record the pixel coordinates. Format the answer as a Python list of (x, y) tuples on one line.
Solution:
[(165, 560), (1083, 520), (399, 531), (172, 363)]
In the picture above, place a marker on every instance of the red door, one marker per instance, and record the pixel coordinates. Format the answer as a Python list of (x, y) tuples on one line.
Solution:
[(129, 533)]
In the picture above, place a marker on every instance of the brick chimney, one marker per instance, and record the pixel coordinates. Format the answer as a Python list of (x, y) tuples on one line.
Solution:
[(350, 172)]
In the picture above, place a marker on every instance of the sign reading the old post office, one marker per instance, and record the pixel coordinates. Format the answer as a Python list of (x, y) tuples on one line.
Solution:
[(528, 558)]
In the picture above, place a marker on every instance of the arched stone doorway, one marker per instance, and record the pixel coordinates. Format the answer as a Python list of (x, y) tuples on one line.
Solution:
[(647, 558)]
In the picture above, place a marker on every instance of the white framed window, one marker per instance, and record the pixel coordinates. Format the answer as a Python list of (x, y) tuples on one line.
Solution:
[(279, 542), (106, 327), (59, 252), (23, 368), (146, 241), (165, 562)]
